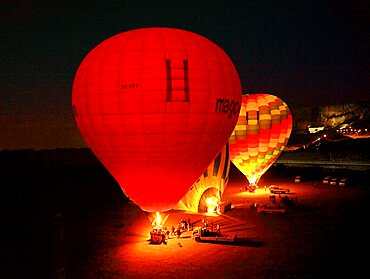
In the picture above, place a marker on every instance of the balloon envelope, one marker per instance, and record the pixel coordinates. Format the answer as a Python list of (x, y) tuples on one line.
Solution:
[(261, 133), (211, 183), (156, 106)]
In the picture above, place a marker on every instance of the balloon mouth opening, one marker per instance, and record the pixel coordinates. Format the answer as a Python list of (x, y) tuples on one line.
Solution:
[(253, 181), (252, 185), (212, 204)]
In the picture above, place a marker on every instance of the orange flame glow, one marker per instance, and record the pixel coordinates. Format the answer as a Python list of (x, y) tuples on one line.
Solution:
[(212, 203), (158, 219)]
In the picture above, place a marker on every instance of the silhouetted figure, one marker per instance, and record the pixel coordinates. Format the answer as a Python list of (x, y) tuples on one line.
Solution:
[(167, 233), (184, 224), (173, 230), (178, 233), (164, 238), (218, 229)]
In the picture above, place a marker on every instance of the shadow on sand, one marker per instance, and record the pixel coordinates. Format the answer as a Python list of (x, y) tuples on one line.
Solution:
[(237, 242)]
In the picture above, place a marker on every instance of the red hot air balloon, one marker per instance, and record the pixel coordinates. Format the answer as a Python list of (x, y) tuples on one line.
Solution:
[(156, 106), (261, 134)]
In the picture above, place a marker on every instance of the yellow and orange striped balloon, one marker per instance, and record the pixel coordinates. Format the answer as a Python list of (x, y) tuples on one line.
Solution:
[(212, 183), (260, 135)]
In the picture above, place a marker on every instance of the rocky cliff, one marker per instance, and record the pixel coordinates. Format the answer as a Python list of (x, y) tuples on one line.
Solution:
[(356, 115)]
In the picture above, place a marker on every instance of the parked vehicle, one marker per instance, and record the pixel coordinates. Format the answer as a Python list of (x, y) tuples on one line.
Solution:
[(334, 181), (298, 179), (343, 182), (205, 235), (326, 179), (278, 190)]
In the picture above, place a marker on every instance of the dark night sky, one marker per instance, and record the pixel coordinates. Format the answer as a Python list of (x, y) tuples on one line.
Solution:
[(309, 52)]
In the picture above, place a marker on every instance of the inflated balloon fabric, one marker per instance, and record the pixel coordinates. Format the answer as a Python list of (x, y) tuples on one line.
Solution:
[(214, 179), (156, 106), (262, 132)]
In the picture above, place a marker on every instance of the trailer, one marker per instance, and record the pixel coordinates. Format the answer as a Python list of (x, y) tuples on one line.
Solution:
[(278, 190), (326, 180), (200, 234)]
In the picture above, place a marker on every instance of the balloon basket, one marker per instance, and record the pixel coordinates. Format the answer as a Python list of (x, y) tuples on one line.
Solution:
[(158, 236), (251, 188)]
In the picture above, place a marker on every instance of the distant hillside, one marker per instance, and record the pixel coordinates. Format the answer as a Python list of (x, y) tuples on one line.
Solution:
[(331, 116), (13, 162)]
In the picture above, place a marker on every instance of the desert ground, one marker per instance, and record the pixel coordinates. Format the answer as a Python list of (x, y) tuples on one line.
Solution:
[(76, 235)]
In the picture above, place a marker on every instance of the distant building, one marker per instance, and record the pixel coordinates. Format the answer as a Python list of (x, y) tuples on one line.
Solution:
[(316, 129)]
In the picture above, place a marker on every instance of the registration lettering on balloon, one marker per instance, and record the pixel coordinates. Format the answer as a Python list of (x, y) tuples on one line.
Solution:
[(129, 86)]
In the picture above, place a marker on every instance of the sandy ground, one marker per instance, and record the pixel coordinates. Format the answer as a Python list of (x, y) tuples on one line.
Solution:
[(322, 235), (75, 225)]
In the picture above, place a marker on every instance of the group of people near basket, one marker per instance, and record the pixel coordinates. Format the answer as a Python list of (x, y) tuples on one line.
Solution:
[(182, 225)]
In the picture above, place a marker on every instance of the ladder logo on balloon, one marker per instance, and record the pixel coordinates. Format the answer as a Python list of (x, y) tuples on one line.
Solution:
[(177, 81)]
